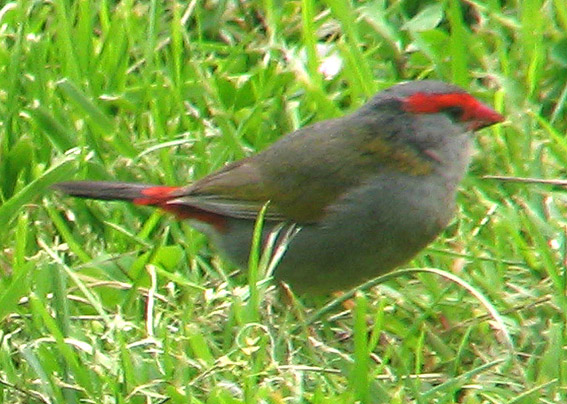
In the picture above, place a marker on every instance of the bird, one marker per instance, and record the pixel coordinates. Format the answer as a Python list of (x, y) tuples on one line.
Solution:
[(366, 191)]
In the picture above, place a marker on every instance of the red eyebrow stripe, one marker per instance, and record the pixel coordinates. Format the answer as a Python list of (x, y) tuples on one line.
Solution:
[(421, 103)]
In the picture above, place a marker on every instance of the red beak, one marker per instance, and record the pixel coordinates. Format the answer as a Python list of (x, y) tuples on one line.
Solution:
[(484, 116)]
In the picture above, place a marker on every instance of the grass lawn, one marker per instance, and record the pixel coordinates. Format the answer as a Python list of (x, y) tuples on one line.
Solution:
[(111, 303)]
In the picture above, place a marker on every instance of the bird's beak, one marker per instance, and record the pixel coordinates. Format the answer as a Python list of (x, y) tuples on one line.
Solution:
[(484, 116)]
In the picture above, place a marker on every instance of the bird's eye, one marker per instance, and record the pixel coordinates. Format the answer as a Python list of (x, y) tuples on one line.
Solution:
[(454, 112)]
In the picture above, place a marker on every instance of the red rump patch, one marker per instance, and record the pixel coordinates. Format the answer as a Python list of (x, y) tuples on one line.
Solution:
[(159, 196), (422, 103), (189, 212), (155, 195)]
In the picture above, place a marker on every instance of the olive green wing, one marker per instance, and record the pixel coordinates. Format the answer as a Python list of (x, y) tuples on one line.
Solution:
[(303, 173), (237, 190)]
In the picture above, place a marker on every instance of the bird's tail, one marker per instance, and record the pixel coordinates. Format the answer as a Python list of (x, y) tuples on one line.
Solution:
[(140, 194)]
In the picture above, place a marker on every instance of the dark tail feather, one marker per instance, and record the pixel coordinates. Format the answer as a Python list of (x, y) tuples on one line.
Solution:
[(105, 190), (140, 194)]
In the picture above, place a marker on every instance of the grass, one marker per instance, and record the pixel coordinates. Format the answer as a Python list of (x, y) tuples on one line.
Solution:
[(110, 303)]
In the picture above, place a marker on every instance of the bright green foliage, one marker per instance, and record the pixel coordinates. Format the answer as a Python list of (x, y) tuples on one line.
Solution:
[(110, 303)]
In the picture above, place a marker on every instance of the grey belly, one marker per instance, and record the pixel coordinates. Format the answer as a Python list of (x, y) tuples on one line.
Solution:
[(370, 231)]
